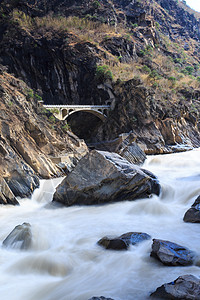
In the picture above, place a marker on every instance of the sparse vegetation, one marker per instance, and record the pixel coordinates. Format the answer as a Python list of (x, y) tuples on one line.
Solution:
[(52, 119), (66, 127), (103, 73)]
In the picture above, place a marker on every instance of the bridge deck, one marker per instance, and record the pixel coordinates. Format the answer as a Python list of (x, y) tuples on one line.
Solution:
[(76, 106)]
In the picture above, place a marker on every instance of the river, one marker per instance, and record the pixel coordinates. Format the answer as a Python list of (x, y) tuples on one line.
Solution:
[(65, 263)]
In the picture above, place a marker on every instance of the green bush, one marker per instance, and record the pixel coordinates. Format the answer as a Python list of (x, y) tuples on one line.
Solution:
[(52, 119), (38, 98), (178, 60), (55, 111), (154, 74), (173, 80), (146, 69), (30, 94), (66, 127), (103, 73), (188, 70), (96, 4)]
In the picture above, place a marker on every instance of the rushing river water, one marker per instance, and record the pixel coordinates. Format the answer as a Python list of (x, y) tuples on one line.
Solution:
[(65, 263)]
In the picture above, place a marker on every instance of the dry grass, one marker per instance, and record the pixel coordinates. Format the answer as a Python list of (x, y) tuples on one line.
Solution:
[(83, 28), (95, 32)]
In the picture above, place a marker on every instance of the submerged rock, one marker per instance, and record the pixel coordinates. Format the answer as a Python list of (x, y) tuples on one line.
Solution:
[(172, 254), (19, 238), (184, 287), (193, 214), (102, 177), (100, 298), (123, 241)]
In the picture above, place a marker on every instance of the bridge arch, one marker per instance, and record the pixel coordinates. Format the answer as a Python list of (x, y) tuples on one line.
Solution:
[(97, 113), (64, 113)]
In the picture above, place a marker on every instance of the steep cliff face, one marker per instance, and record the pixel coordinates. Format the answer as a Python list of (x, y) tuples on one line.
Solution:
[(158, 121), (29, 138), (56, 47)]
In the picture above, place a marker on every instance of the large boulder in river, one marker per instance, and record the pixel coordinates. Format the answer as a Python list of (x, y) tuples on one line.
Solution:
[(193, 214), (184, 287), (102, 177), (19, 238), (123, 241), (172, 254)]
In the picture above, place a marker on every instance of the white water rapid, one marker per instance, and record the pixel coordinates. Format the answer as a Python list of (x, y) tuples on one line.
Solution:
[(65, 263)]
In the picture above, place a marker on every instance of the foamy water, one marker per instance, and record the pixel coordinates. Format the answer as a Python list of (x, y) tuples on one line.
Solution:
[(65, 263)]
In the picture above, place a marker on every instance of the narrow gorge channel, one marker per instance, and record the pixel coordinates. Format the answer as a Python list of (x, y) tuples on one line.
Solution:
[(65, 262)]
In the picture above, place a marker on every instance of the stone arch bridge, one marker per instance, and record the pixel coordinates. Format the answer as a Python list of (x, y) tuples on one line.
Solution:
[(61, 112)]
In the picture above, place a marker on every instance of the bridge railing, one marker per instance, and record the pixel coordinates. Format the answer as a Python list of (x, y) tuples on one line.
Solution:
[(76, 106)]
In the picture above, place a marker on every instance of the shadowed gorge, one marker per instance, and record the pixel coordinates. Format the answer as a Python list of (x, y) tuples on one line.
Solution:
[(142, 56), (84, 125), (99, 150)]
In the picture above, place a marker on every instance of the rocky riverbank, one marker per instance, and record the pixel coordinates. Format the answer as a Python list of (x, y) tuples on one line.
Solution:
[(29, 138)]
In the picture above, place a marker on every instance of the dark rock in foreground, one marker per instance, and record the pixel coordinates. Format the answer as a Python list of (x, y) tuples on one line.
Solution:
[(184, 287), (102, 177), (6, 195), (193, 214), (23, 183), (100, 298), (171, 254), (123, 241), (19, 238)]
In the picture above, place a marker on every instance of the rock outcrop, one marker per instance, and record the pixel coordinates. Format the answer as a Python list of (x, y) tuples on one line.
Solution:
[(125, 146), (19, 238), (155, 128), (100, 298), (184, 287), (114, 180), (172, 254), (6, 195), (193, 214), (123, 241)]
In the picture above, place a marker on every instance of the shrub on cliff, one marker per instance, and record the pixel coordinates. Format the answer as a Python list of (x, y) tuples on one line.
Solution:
[(103, 73)]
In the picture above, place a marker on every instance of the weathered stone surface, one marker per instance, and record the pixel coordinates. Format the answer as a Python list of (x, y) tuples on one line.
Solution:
[(6, 195), (102, 177), (125, 146), (171, 254), (193, 214), (20, 237), (23, 183), (184, 287), (28, 139), (123, 241), (100, 298)]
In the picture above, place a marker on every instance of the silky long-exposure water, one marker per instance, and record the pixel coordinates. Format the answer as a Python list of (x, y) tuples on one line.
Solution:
[(65, 263)]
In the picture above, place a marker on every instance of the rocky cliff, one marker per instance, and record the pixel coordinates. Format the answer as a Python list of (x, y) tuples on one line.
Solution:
[(29, 138), (149, 51)]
